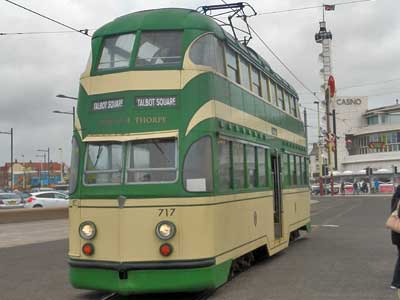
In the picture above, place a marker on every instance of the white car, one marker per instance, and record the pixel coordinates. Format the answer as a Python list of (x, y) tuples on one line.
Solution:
[(47, 199), (11, 200)]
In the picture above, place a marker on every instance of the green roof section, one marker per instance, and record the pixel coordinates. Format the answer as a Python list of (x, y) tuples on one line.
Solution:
[(180, 19), (160, 19)]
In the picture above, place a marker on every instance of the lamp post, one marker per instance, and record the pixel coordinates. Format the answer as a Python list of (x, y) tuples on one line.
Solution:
[(48, 163), (40, 170), (67, 113), (66, 97), (61, 165), (11, 133), (321, 183)]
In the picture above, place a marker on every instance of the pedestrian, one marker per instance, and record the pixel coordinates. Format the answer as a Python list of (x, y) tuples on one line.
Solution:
[(376, 185), (342, 188), (355, 187), (396, 241)]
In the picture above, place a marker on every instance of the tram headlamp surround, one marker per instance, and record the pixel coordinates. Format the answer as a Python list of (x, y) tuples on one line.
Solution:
[(87, 230), (165, 230)]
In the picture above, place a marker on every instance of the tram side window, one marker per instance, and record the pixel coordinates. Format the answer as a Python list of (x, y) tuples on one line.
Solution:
[(232, 68), (286, 168), (116, 52), (208, 51), (238, 165), (224, 168), (293, 106), (73, 175), (152, 160), (262, 181), (281, 102), (255, 78), (292, 162), (244, 73), (159, 48), (273, 93), (299, 172), (197, 168), (103, 164), (305, 170), (265, 88), (287, 102), (251, 166)]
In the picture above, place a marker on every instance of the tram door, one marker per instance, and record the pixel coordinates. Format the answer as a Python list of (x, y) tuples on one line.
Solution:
[(276, 181)]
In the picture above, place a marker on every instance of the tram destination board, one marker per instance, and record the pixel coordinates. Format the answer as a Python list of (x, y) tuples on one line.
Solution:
[(155, 102)]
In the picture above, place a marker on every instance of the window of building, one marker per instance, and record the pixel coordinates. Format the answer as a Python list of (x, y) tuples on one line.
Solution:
[(251, 166), (256, 84), (372, 120), (238, 165), (224, 167), (244, 73), (116, 52), (208, 51), (232, 68), (197, 168), (262, 179), (103, 163), (153, 160), (159, 48)]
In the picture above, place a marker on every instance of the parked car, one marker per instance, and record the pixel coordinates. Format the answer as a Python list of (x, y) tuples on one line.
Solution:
[(47, 199), (42, 189), (11, 200)]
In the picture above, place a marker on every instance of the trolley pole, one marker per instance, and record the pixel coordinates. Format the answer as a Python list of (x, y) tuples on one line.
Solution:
[(330, 139)]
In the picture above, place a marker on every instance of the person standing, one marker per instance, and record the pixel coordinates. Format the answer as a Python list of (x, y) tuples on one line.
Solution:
[(396, 241)]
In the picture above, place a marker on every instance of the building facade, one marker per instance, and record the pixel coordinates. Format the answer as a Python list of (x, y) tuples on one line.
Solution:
[(366, 138), (27, 175)]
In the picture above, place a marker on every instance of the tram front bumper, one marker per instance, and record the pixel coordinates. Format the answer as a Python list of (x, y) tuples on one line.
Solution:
[(121, 279)]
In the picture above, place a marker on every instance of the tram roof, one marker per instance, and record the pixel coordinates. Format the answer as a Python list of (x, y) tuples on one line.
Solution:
[(180, 19)]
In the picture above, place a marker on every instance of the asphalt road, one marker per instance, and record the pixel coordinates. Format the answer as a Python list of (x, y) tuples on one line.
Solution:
[(347, 256)]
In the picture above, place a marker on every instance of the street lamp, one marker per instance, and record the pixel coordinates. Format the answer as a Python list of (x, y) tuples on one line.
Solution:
[(48, 162), (11, 133), (40, 170), (67, 113), (321, 184), (66, 97), (62, 165)]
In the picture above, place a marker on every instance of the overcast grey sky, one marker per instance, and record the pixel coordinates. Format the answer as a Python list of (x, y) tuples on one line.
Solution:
[(35, 68)]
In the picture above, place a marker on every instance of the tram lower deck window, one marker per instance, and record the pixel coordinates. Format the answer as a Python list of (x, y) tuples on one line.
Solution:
[(153, 160), (103, 164)]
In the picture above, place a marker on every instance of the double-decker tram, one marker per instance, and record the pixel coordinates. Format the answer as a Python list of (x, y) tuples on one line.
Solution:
[(188, 155)]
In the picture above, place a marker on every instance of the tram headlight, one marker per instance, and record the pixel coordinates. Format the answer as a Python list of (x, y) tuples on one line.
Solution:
[(87, 230), (165, 230)]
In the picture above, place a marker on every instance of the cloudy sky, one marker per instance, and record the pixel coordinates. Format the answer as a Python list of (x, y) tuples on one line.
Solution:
[(35, 68)]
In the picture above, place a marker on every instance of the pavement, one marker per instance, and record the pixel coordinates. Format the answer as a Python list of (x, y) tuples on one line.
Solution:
[(348, 256)]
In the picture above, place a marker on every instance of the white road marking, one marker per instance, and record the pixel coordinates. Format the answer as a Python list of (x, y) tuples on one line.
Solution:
[(18, 234), (326, 225)]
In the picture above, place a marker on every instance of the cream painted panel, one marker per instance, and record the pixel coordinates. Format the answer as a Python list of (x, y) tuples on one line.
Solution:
[(74, 218), (107, 239)]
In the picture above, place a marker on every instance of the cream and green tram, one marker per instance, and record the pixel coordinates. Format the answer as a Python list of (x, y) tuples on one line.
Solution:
[(188, 154)]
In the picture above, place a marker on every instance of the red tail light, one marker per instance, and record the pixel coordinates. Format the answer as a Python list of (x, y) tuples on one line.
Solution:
[(88, 249), (166, 249), (30, 199)]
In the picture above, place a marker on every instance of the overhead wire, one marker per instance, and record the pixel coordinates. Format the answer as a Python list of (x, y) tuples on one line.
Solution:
[(310, 7), (42, 32), (84, 31)]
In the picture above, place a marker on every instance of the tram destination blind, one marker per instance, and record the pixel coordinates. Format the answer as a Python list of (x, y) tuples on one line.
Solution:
[(150, 102)]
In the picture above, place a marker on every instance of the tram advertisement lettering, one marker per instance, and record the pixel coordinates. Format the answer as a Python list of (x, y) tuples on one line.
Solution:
[(107, 104), (162, 101), (151, 120)]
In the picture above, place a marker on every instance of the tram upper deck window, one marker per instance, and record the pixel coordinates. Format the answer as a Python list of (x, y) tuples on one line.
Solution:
[(116, 52), (152, 161), (159, 48), (208, 51), (103, 164)]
